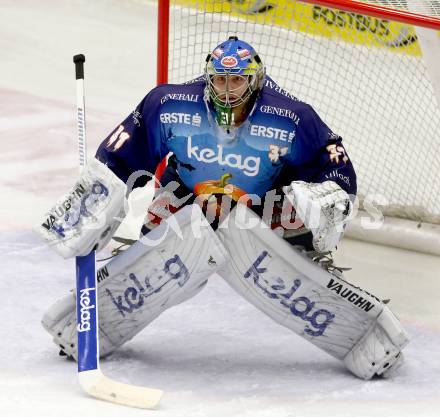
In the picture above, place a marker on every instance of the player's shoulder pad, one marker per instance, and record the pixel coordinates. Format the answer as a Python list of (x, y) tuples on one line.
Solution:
[(311, 132), (190, 91), (274, 95)]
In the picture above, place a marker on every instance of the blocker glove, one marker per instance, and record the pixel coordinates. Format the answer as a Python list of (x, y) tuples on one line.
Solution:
[(87, 216)]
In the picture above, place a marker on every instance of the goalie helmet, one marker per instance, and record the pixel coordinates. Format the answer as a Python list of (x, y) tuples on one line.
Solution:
[(234, 76)]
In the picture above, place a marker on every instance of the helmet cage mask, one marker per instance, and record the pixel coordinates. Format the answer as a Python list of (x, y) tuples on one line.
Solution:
[(236, 90)]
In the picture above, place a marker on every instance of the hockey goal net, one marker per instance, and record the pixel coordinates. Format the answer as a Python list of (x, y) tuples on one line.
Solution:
[(365, 68)]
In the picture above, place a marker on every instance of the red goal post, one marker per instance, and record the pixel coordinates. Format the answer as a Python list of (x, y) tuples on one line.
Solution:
[(372, 71)]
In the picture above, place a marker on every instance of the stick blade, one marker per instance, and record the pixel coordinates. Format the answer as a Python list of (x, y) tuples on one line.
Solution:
[(96, 384)]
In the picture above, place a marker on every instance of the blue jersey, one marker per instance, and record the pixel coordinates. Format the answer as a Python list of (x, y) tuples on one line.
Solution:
[(282, 140)]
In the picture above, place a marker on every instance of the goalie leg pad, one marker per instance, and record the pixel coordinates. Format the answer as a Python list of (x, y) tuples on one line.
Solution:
[(159, 271), (299, 294), (379, 351)]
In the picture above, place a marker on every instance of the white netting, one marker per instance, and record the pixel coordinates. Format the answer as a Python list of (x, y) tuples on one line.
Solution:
[(363, 75)]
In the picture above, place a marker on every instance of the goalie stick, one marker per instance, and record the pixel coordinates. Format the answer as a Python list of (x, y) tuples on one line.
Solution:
[(91, 379)]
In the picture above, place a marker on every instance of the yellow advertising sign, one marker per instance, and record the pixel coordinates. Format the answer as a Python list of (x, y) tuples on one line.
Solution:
[(318, 20)]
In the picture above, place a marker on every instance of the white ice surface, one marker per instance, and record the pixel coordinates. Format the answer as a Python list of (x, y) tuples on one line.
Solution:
[(215, 355)]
